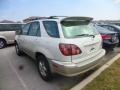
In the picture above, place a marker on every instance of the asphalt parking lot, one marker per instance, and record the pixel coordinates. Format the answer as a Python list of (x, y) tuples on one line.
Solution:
[(20, 73)]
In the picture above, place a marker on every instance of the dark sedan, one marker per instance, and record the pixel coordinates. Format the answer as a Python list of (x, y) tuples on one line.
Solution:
[(114, 28), (110, 38)]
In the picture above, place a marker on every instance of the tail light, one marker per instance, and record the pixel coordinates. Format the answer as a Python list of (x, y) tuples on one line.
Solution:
[(105, 37), (69, 49)]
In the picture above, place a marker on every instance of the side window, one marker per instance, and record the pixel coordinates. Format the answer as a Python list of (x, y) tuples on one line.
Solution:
[(110, 28), (51, 28), (34, 29), (105, 27), (25, 29)]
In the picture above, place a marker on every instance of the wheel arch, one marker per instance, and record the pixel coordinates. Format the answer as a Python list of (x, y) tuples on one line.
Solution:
[(44, 52), (15, 41), (39, 54), (3, 40)]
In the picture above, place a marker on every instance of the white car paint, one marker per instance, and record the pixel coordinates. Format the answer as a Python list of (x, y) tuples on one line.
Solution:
[(8, 36), (49, 46)]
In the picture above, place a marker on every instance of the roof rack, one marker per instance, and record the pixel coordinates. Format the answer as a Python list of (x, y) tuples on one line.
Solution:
[(39, 18), (33, 18), (54, 17)]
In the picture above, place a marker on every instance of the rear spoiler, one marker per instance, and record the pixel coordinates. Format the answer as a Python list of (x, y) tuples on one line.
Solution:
[(82, 19)]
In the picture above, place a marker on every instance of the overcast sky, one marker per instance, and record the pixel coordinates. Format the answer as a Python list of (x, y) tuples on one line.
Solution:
[(21, 9)]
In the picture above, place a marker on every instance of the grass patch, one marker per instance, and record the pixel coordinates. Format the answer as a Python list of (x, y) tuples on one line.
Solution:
[(75, 80), (107, 80)]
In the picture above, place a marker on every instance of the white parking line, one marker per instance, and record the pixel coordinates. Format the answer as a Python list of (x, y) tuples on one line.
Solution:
[(18, 76)]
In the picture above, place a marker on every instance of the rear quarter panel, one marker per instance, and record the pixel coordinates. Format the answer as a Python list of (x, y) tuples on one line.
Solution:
[(50, 48)]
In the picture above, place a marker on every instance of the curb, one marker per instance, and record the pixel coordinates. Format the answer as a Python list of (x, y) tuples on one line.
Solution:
[(89, 79)]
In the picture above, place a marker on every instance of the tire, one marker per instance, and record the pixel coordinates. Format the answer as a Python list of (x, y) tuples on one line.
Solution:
[(43, 68), (18, 51), (2, 43)]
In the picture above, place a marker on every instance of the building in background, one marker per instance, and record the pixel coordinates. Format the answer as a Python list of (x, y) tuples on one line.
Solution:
[(117, 22), (9, 21)]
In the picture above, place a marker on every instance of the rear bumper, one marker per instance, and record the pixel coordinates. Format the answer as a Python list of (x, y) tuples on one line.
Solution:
[(109, 45), (73, 69)]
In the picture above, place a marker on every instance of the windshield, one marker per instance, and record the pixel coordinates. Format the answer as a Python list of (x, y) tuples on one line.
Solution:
[(76, 29)]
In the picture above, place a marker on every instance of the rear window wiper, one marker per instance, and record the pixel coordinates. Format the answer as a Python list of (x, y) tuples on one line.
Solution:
[(86, 35)]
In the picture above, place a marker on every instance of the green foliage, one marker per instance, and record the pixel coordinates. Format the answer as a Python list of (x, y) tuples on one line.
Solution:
[(108, 80)]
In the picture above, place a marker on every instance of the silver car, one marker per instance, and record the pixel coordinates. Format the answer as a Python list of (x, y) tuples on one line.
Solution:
[(7, 33)]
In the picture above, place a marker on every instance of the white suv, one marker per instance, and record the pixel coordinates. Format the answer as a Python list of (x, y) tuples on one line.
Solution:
[(65, 45)]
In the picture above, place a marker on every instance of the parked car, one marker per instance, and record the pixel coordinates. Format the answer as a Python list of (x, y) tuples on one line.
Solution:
[(64, 45), (114, 28), (110, 38), (7, 33)]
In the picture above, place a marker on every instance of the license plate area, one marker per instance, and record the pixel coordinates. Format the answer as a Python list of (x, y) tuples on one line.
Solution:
[(91, 48)]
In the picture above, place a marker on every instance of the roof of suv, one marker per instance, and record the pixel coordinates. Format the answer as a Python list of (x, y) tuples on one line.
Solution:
[(63, 18)]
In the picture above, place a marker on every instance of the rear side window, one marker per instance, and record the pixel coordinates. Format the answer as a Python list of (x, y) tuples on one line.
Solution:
[(111, 28), (51, 28), (108, 27), (34, 29), (25, 29)]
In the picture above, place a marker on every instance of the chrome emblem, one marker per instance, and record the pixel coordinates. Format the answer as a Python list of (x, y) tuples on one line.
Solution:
[(92, 49)]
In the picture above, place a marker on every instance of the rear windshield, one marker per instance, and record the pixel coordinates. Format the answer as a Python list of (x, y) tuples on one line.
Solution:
[(74, 29)]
